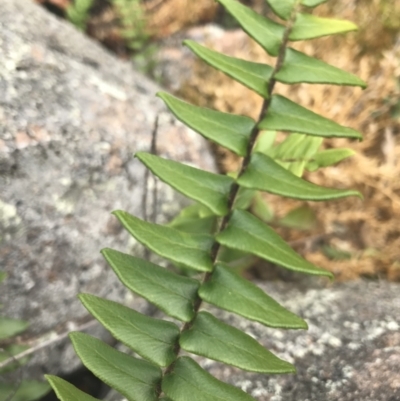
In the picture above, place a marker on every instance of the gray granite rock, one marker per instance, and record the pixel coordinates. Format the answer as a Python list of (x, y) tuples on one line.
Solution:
[(71, 117)]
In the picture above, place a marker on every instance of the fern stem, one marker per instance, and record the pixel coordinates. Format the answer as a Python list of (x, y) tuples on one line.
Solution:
[(246, 160)]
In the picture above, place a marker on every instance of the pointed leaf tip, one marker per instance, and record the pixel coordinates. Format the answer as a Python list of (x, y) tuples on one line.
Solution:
[(216, 340), (231, 292), (264, 174), (209, 189), (192, 250), (153, 339), (228, 130), (247, 233), (286, 115), (134, 378), (65, 391), (267, 33), (300, 68), (253, 75), (172, 293), (309, 26)]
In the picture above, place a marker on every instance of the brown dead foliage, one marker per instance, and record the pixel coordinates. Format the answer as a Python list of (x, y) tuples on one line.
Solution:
[(370, 229)]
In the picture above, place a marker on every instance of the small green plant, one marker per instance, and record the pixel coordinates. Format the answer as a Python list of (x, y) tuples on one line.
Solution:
[(18, 390), (78, 13), (133, 23), (162, 373)]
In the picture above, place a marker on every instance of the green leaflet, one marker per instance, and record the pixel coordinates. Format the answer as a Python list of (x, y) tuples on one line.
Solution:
[(265, 142), (282, 8), (267, 33), (189, 249), (261, 208), (195, 225), (216, 340), (172, 293), (134, 378), (264, 174), (228, 130), (295, 151), (253, 75), (188, 381), (301, 218), (285, 115), (249, 234), (231, 292), (298, 68), (209, 189), (66, 391), (11, 327), (195, 219), (153, 339), (313, 3), (309, 27), (295, 146), (329, 157)]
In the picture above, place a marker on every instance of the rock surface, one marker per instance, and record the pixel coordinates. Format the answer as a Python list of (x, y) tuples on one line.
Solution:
[(351, 351), (71, 117)]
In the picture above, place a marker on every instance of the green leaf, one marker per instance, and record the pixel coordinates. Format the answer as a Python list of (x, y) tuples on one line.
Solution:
[(27, 390), (66, 391), (237, 260), (310, 26), (267, 33), (247, 233), (228, 130), (329, 157), (134, 378), (216, 340), (244, 198), (282, 8), (209, 189), (295, 151), (285, 115), (172, 293), (261, 208), (191, 211), (265, 141), (153, 339), (3, 276), (313, 3), (188, 381), (264, 174), (296, 147), (301, 218), (189, 249), (11, 327), (300, 68), (335, 254), (253, 75), (231, 292), (195, 225)]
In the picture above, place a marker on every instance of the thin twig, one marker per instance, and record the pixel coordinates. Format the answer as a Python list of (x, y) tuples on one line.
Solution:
[(47, 343), (18, 383), (153, 151)]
